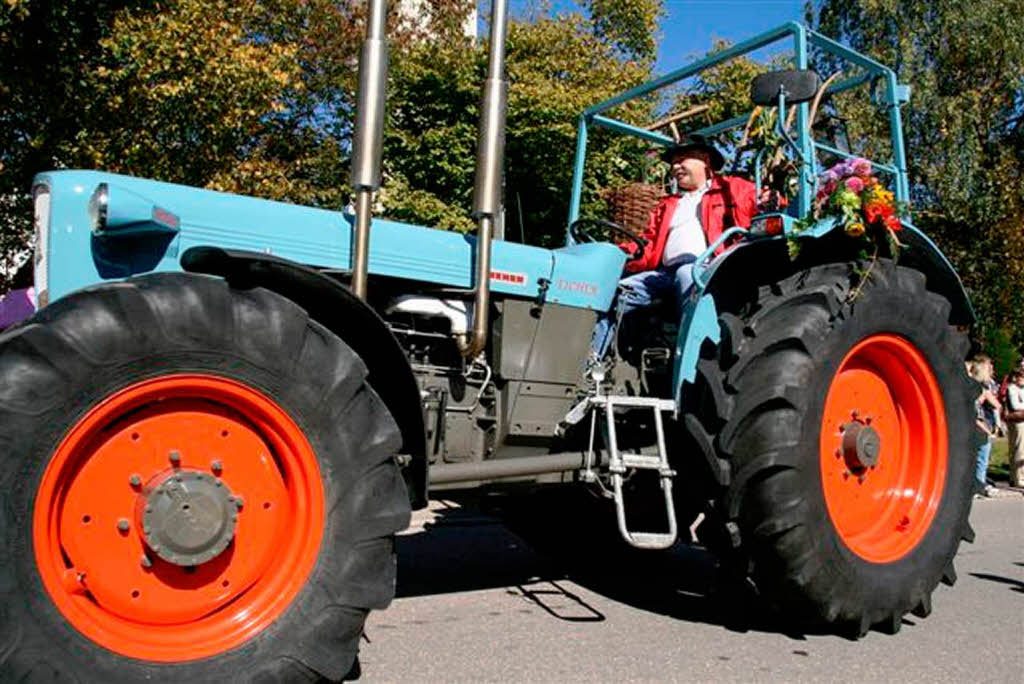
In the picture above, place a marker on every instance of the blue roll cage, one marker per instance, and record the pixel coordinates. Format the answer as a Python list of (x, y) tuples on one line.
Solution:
[(894, 94)]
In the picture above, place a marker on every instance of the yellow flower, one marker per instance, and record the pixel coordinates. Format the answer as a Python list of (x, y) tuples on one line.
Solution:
[(855, 229)]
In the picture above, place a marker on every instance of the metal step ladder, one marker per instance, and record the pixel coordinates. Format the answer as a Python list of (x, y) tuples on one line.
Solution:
[(620, 464)]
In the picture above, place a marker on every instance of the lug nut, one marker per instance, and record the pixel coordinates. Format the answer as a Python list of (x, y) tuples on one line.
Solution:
[(135, 480), (175, 457), (855, 414), (146, 563), (239, 502), (217, 466), (124, 525)]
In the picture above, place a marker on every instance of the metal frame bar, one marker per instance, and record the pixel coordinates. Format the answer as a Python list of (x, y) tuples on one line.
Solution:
[(629, 129), (803, 38)]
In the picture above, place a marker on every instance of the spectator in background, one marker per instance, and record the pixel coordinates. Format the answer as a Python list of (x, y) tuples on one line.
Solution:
[(20, 302), (1013, 415), (986, 419)]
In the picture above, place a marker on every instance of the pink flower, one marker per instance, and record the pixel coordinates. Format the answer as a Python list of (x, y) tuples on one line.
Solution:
[(855, 184), (861, 167)]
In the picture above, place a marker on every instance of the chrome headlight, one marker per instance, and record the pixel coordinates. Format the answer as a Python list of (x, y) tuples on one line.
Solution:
[(98, 203)]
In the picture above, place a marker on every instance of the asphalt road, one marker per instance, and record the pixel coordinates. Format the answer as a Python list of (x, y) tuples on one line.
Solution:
[(534, 589)]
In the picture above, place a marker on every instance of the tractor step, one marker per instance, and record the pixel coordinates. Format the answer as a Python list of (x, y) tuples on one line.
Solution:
[(619, 464)]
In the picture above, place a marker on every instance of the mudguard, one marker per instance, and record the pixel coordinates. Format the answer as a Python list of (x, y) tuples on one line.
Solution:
[(337, 309), (764, 255)]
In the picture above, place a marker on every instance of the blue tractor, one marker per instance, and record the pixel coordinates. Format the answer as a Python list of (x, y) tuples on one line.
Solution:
[(226, 407)]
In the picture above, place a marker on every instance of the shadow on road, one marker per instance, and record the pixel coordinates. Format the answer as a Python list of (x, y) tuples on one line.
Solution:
[(529, 543), (1015, 585)]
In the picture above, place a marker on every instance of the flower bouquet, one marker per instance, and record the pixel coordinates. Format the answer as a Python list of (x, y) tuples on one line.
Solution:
[(858, 200)]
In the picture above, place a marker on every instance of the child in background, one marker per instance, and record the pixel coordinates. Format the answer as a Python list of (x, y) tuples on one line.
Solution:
[(987, 407)]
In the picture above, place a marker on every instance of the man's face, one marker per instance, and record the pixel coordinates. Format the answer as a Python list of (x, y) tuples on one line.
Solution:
[(690, 173)]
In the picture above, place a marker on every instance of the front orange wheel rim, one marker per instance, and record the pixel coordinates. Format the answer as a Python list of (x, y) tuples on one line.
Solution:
[(883, 448), (92, 516)]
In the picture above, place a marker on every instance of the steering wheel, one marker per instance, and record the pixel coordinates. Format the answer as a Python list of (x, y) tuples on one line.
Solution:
[(581, 231)]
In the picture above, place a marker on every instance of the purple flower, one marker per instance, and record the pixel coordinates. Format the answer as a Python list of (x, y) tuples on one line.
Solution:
[(831, 176), (855, 184), (861, 167)]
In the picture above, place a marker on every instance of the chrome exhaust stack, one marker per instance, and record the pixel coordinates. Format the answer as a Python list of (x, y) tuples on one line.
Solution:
[(368, 138), (490, 157)]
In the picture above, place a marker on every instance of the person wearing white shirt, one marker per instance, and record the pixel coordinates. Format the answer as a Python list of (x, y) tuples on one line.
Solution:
[(1013, 414), (676, 240)]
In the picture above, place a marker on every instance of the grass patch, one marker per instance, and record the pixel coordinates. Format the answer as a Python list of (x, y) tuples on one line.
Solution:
[(999, 461)]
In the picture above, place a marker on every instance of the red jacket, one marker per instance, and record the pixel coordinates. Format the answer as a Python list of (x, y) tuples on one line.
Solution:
[(730, 201)]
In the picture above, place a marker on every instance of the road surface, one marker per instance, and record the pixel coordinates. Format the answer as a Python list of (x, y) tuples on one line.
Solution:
[(534, 590)]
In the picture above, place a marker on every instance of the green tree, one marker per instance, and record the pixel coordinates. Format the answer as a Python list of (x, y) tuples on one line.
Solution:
[(47, 50), (557, 65), (258, 98), (964, 131)]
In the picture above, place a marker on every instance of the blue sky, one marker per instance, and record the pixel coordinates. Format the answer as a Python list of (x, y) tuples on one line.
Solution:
[(689, 26)]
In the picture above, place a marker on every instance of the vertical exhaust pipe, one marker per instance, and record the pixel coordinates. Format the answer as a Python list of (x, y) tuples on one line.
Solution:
[(490, 156), (369, 134)]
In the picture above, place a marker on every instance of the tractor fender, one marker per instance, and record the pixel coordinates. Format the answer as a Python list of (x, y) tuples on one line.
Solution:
[(333, 306), (767, 260)]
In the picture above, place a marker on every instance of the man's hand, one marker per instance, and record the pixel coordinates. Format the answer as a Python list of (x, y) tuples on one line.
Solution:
[(1013, 416)]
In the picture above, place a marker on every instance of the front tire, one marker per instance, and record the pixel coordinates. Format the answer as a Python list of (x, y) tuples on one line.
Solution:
[(130, 411), (842, 415)]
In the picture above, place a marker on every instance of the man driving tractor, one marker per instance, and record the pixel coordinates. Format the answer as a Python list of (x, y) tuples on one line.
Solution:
[(679, 229)]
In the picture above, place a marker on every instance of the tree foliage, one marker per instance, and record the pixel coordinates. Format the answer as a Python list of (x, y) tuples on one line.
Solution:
[(964, 130), (556, 65), (258, 98)]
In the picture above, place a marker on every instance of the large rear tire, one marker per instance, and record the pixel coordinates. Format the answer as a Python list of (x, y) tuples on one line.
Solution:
[(841, 421), (196, 484)]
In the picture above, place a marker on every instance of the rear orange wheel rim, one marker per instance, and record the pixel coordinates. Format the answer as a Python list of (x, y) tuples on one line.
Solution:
[(883, 448), (94, 524)]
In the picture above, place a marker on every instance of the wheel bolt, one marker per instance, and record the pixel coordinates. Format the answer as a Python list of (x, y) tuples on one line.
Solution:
[(860, 479), (146, 563), (135, 480), (175, 457), (239, 502), (217, 466), (854, 414), (124, 525), (846, 475)]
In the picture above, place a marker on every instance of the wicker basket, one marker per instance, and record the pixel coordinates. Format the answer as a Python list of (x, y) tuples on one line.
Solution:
[(631, 205)]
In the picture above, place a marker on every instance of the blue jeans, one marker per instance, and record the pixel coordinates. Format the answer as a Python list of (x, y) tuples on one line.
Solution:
[(981, 469), (638, 291)]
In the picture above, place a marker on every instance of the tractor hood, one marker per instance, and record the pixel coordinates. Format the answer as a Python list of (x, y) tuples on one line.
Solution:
[(155, 223)]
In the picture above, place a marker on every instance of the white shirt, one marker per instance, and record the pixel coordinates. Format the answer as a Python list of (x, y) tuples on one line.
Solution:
[(1015, 397), (686, 236)]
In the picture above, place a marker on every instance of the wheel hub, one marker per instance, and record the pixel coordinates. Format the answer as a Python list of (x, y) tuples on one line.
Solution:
[(884, 392), (188, 517), (861, 446)]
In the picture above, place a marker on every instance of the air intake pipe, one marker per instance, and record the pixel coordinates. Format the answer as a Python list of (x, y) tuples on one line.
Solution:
[(369, 134), (490, 157)]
